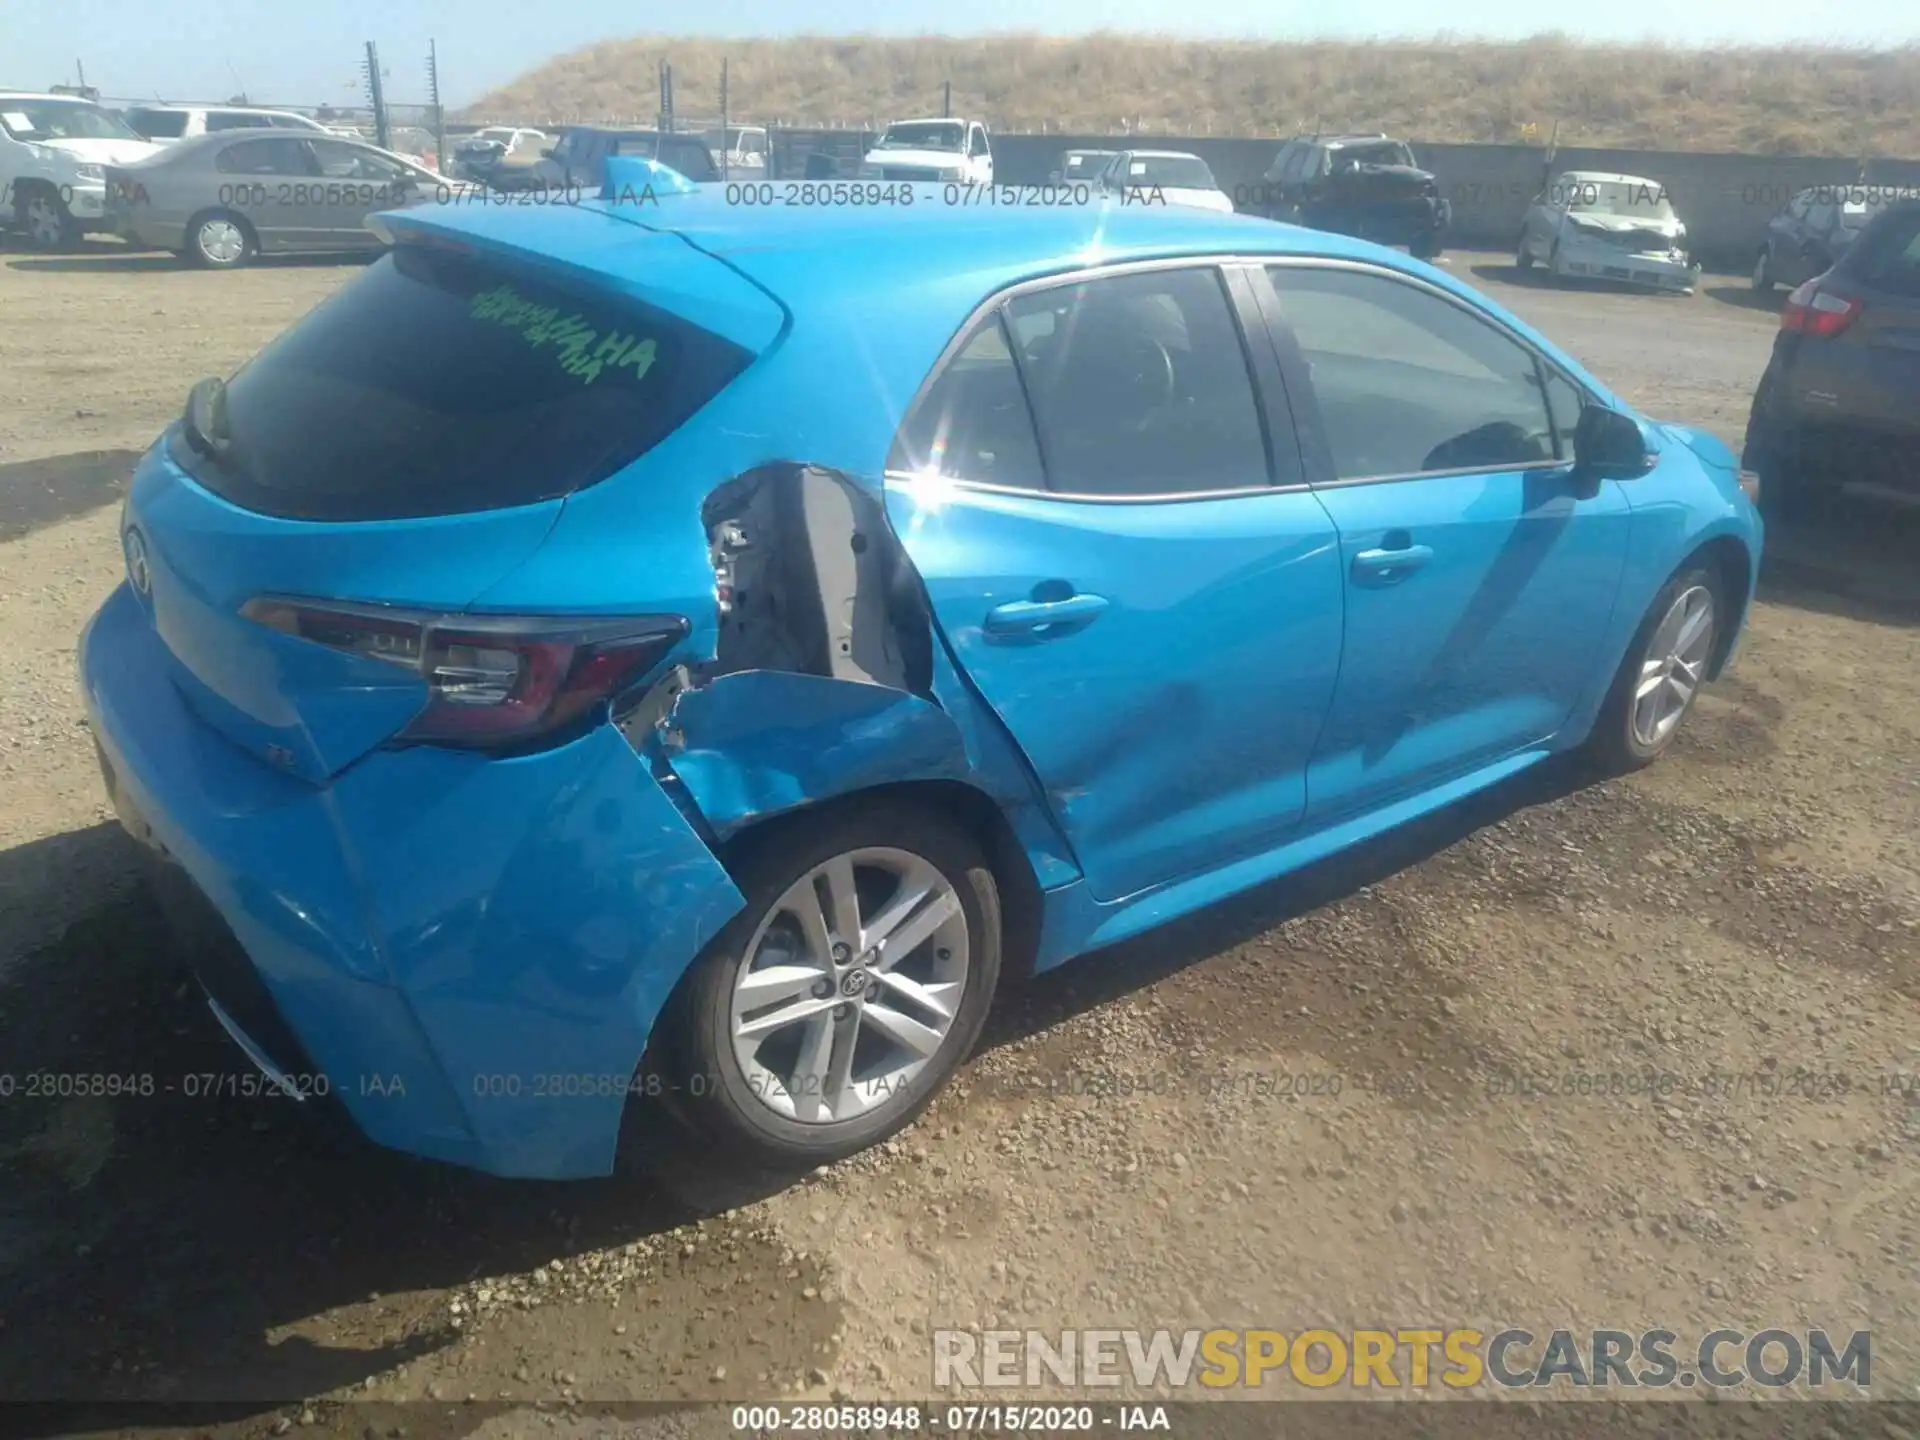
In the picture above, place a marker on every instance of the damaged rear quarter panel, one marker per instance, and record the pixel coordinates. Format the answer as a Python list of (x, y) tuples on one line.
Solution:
[(827, 677)]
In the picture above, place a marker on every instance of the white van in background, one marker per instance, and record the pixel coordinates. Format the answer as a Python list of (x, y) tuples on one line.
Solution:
[(164, 124)]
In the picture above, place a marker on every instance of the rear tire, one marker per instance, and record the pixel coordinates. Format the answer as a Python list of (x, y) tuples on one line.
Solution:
[(1425, 247), (1522, 256), (220, 240), (788, 1094), (1660, 678), (1763, 271)]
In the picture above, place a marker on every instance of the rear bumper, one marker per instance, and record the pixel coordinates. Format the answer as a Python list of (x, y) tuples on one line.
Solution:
[(1822, 414), (470, 951)]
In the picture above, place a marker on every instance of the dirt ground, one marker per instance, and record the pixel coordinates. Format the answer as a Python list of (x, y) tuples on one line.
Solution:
[(1749, 908)]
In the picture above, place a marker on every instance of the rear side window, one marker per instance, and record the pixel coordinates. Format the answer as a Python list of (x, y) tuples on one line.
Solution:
[(159, 124), (1140, 385), (235, 120), (266, 157), (973, 423), (437, 383)]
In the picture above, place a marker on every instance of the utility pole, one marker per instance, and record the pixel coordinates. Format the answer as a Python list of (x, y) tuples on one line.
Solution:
[(946, 102), (439, 115), (726, 139), (376, 96)]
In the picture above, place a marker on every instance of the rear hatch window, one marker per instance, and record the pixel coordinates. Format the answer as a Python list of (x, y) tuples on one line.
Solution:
[(440, 382), (1887, 254)]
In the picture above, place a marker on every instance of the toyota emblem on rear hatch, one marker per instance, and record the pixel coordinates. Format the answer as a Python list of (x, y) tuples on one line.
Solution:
[(137, 563)]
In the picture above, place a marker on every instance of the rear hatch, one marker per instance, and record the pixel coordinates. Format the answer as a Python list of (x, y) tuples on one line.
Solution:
[(402, 448), (1860, 369)]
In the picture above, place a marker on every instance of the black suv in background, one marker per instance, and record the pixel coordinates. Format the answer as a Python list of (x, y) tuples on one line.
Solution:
[(1362, 185), (578, 161), (1836, 407), (1811, 232)]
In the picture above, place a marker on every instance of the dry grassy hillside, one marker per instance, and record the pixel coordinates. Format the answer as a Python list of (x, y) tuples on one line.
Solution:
[(1804, 100)]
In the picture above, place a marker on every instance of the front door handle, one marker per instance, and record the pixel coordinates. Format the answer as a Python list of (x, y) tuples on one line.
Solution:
[(1390, 567), (1018, 617)]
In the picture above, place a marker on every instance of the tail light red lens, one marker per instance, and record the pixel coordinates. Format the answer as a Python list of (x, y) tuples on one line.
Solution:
[(1812, 311), (493, 681)]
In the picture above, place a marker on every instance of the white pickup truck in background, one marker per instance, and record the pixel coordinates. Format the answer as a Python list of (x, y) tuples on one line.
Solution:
[(942, 149)]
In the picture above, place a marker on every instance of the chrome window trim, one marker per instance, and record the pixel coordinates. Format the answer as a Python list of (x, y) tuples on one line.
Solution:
[(908, 477), (1215, 261), (1492, 322), (1219, 263)]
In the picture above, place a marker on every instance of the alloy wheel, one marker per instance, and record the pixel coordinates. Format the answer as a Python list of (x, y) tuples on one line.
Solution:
[(850, 986), (1673, 667)]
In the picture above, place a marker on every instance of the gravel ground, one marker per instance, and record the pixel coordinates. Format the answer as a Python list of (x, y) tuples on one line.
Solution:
[(1748, 908)]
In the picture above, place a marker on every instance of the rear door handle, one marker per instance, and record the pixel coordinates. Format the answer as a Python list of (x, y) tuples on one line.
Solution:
[(1389, 567), (1018, 617)]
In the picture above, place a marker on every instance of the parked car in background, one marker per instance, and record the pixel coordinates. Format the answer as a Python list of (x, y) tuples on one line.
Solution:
[(1838, 406), (742, 151), (54, 150), (164, 124), (1363, 185), (958, 151), (577, 161), (217, 201), (1077, 167), (475, 155), (1600, 226), (1812, 231), (1155, 554), (1170, 177)]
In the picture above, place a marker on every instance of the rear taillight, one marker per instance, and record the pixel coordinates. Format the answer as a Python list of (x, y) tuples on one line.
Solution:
[(493, 681), (1812, 311)]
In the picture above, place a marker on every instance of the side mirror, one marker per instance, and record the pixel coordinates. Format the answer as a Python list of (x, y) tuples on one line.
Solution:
[(1608, 445), (206, 416), (546, 152)]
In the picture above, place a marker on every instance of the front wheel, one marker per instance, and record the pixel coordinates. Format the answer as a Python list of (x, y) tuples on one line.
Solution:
[(1522, 256), (48, 224), (1763, 271), (826, 1014), (1425, 247), (1662, 674)]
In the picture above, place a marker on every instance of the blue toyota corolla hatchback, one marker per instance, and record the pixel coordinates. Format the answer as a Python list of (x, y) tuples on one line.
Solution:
[(656, 623)]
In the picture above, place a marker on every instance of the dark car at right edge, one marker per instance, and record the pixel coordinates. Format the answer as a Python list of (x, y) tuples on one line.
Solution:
[(1839, 404)]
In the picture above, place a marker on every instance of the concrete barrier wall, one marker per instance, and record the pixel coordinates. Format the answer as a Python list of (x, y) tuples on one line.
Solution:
[(1725, 200)]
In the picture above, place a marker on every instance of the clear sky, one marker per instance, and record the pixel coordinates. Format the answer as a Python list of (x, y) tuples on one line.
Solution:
[(308, 51)]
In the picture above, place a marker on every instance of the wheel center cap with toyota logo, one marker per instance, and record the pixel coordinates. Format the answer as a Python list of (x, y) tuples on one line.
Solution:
[(854, 982), (137, 570)]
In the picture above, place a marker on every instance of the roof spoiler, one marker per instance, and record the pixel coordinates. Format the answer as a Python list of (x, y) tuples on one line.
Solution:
[(634, 177)]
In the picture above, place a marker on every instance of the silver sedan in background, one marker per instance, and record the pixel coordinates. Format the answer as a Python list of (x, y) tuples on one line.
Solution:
[(219, 200)]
